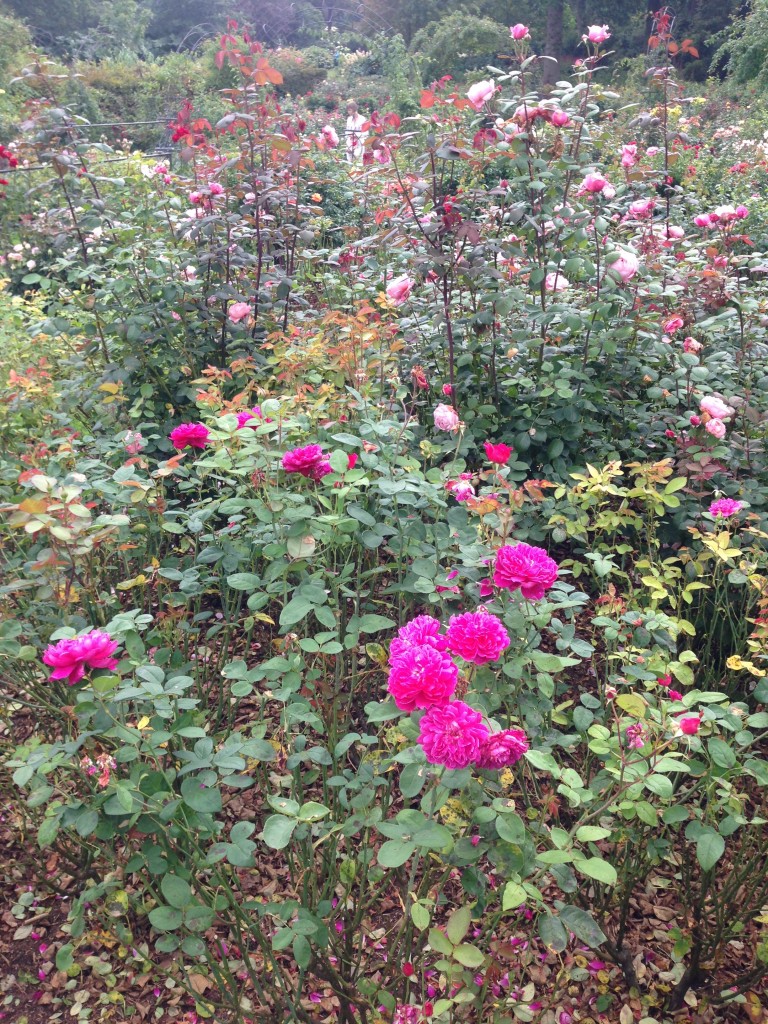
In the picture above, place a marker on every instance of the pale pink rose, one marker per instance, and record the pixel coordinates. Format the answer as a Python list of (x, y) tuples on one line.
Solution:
[(446, 417), (701, 220), (652, 151), (671, 231), (189, 273), (629, 155), (715, 407), (520, 31), (399, 289), (642, 208), (597, 34), (238, 311), (593, 183), (626, 266), (723, 214), (556, 283), (481, 93), (716, 428), (691, 345)]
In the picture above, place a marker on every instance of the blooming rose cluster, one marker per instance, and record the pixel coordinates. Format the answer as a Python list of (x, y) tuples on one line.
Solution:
[(71, 657), (424, 676), (714, 413), (721, 216)]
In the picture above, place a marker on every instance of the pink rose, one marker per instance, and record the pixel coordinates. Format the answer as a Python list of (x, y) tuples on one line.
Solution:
[(715, 407), (556, 283), (238, 311), (626, 266), (692, 346), (520, 31), (689, 726), (742, 212), (452, 735), (629, 155), (716, 428), (723, 508), (462, 490), (446, 417), (481, 93), (399, 289), (524, 567), (560, 119), (69, 658), (642, 208), (701, 220), (674, 323), (309, 461), (189, 435), (477, 637), (502, 749), (423, 631), (421, 677), (593, 183), (498, 453), (597, 34)]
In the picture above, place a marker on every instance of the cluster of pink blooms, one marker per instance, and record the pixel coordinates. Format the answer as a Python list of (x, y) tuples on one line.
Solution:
[(189, 435), (103, 766), (714, 414), (424, 676), (723, 508), (161, 171), (69, 658), (721, 216), (629, 155), (526, 568), (309, 461)]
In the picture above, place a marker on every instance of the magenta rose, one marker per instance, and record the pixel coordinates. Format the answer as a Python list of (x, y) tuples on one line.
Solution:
[(525, 568), (310, 461), (725, 507), (478, 637), (189, 435), (69, 658), (502, 749), (452, 735), (420, 677), (423, 631)]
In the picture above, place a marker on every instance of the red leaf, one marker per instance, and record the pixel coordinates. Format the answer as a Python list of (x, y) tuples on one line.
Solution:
[(427, 98)]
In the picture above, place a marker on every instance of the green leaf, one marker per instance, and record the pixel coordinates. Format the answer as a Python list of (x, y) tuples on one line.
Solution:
[(439, 942), (87, 823), (278, 831), (545, 662), (375, 623), (298, 608), (514, 896), (592, 833), (395, 852), (511, 828), (468, 956), (632, 703), (165, 919), (710, 847), (64, 957), (49, 829), (302, 951), (313, 811), (597, 868), (206, 800), (420, 916), (458, 924), (176, 890), (243, 581), (583, 926), (721, 753), (552, 933)]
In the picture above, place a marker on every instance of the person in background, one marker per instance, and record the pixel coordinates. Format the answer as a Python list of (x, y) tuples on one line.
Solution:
[(355, 135)]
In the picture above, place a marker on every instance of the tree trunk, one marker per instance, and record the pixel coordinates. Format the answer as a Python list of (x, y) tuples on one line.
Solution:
[(554, 41)]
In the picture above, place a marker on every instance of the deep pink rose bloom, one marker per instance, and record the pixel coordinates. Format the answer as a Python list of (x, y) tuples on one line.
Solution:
[(247, 416), (674, 323), (423, 631), (593, 183), (478, 637), (742, 212), (481, 92), (525, 567), (420, 677), (69, 658), (310, 461), (498, 453), (725, 507), (452, 735), (502, 749), (560, 119), (189, 435), (520, 31), (689, 726)]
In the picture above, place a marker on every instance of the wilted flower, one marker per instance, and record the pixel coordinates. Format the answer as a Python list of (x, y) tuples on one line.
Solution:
[(629, 155), (692, 346), (330, 136), (635, 736), (452, 735), (134, 442)]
